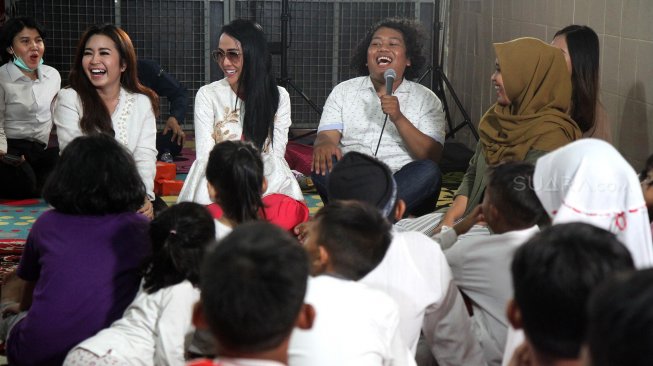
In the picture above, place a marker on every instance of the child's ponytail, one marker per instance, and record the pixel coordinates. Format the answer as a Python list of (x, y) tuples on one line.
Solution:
[(179, 236), (235, 170)]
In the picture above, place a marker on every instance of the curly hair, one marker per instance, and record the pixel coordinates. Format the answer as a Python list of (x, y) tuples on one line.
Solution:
[(413, 35)]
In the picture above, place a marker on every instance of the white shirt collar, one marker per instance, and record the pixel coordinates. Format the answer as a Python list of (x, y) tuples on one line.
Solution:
[(367, 84), (246, 362), (15, 73)]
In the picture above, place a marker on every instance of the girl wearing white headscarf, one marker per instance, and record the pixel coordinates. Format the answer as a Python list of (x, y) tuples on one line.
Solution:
[(589, 181)]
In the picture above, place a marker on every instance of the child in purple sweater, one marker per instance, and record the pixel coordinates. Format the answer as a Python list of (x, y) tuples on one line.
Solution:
[(81, 264)]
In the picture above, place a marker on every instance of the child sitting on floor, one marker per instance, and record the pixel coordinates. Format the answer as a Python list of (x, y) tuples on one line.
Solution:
[(553, 275), (355, 324), (154, 327), (480, 264), (253, 285), (236, 183), (589, 181), (620, 321), (82, 260), (414, 271)]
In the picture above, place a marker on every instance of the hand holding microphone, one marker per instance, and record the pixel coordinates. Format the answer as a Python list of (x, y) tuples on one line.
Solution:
[(389, 75), (389, 103)]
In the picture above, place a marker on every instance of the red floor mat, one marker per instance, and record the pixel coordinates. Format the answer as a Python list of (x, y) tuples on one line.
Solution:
[(10, 251)]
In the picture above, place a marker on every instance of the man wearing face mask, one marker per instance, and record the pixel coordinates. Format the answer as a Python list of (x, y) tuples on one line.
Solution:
[(27, 88)]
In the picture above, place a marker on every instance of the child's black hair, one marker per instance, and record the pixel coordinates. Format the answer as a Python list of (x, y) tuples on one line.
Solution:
[(235, 170), (95, 175), (356, 236), (511, 192), (253, 285), (179, 236), (553, 275), (620, 321)]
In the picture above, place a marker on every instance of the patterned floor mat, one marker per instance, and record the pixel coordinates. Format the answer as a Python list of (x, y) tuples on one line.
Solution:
[(187, 156), (17, 217), (10, 251), (450, 183)]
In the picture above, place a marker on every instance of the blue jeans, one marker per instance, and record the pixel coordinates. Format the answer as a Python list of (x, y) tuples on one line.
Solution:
[(418, 184)]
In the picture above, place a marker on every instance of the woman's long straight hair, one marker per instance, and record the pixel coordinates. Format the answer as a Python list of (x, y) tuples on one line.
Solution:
[(256, 85), (96, 116), (583, 46)]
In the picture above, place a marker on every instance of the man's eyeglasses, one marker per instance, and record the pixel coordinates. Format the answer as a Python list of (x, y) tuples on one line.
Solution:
[(219, 55)]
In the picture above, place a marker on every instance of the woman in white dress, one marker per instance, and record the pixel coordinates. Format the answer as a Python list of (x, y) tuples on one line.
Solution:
[(245, 105), (105, 96)]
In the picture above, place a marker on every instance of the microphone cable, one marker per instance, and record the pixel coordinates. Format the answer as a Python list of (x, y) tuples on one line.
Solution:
[(381, 135), (389, 76)]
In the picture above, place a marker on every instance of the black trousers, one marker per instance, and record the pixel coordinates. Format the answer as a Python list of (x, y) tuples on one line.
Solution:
[(164, 144), (27, 179)]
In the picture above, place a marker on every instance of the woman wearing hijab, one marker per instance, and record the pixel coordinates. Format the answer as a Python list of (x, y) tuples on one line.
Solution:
[(528, 120), (589, 181)]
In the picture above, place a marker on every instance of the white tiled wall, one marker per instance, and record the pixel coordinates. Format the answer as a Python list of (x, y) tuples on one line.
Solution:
[(625, 29)]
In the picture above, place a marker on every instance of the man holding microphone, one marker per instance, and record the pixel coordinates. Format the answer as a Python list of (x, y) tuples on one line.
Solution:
[(356, 114)]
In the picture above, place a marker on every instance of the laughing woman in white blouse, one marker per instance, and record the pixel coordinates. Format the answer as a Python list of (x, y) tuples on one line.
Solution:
[(105, 96), (245, 105), (27, 88)]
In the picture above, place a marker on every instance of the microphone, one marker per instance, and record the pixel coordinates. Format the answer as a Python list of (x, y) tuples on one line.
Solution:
[(389, 75)]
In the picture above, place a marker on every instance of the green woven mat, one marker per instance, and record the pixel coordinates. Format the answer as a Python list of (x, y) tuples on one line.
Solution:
[(450, 183)]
